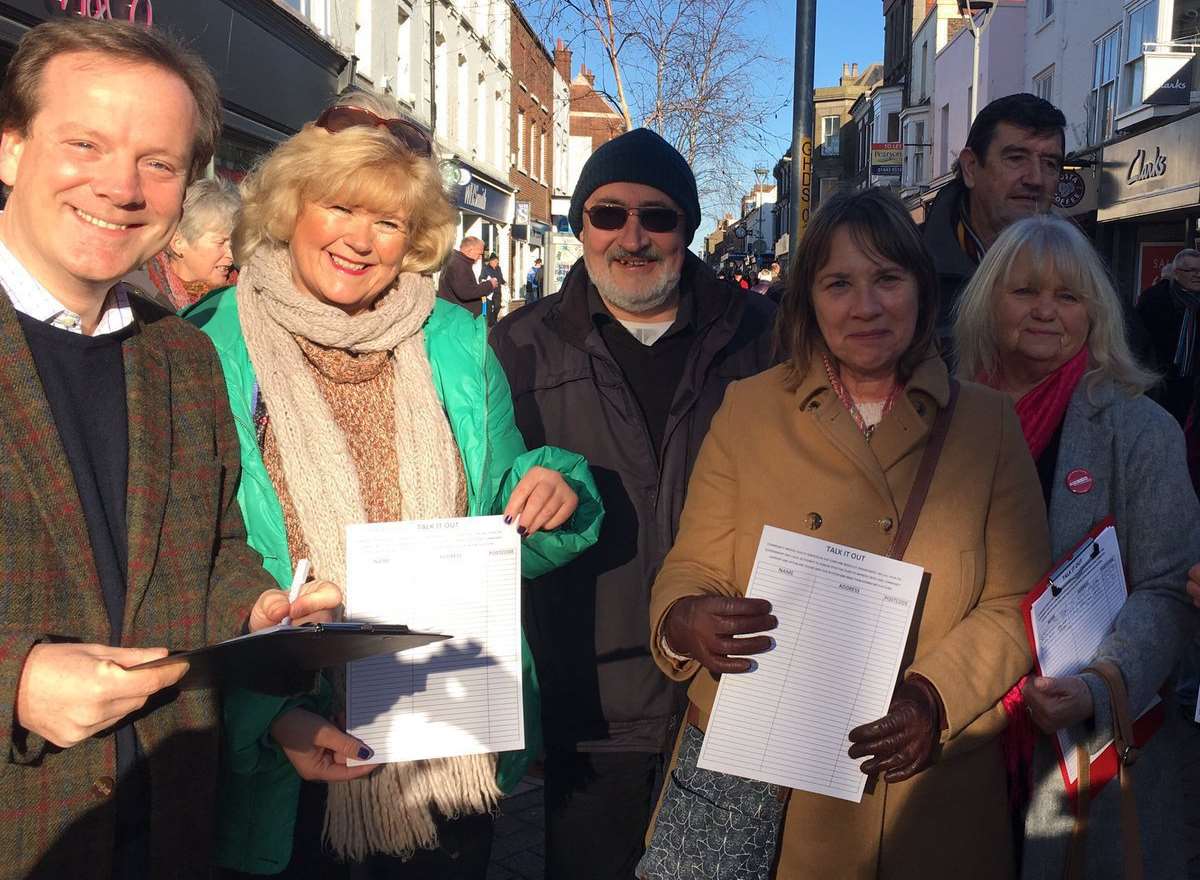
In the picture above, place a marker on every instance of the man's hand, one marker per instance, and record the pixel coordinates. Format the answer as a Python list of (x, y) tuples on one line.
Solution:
[(1055, 703), (317, 748), (542, 499), (703, 627), (1193, 584), (901, 742), (316, 604), (69, 692)]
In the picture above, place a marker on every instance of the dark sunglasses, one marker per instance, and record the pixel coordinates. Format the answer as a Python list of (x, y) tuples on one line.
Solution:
[(411, 135), (654, 218)]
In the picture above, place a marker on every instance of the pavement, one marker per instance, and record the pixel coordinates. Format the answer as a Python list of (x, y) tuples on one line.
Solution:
[(518, 849)]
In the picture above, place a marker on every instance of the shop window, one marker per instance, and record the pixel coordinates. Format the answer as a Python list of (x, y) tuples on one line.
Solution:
[(1141, 24), (1102, 109)]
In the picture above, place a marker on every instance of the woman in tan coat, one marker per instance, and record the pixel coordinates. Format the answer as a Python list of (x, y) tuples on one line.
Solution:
[(828, 445)]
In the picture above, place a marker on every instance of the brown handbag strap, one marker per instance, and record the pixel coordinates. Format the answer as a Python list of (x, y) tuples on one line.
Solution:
[(920, 489), (1127, 755)]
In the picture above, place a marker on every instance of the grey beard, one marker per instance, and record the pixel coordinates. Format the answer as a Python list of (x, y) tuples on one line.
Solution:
[(635, 303)]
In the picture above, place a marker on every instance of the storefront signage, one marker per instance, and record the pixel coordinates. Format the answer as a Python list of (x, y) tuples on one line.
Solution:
[(1152, 257), (887, 160), (1071, 190), (137, 11), (1158, 170), (1176, 90), (1144, 167), (478, 196)]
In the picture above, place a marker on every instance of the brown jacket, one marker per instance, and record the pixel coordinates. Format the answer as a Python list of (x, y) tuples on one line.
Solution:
[(775, 456), (191, 580)]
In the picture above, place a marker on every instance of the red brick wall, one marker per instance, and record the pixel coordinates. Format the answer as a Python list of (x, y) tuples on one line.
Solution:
[(532, 104)]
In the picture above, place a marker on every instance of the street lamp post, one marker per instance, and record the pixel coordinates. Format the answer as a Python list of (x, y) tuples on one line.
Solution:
[(760, 180), (802, 121), (969, 8)]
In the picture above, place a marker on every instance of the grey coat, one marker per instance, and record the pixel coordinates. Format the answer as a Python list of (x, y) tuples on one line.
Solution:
[(1135, 453)]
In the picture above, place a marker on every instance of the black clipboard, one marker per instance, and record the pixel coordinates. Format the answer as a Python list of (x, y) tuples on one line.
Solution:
[(281, 659)]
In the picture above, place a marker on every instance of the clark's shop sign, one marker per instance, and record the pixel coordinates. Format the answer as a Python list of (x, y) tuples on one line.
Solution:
[(138, 11)]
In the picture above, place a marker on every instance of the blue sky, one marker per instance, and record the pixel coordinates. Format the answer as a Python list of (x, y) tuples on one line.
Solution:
[(848, 31)]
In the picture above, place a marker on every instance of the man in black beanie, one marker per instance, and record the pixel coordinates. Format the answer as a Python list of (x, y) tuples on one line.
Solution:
[(626, 364)]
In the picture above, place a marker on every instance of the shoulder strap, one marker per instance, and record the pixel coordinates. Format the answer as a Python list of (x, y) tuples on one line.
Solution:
[(1127, 754), (925, 470)]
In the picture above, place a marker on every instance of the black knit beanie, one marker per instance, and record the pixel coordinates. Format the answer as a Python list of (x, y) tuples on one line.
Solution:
[(639, 156)]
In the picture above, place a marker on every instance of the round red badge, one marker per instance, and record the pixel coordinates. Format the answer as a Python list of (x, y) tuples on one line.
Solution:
[(1080, 481)]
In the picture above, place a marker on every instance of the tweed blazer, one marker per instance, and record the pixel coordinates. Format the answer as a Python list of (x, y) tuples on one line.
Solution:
[(1134, 451), (191, 580), (792, 457)]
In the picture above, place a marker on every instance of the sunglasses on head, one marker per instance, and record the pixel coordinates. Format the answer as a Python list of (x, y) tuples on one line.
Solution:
[(411, 135), (654, 218)]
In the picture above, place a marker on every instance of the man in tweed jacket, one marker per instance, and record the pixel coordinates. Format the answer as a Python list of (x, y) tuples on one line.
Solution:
[(120, 534)]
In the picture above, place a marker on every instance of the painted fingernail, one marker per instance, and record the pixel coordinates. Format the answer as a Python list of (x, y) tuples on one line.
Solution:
[(521, 531), (508, 520), (364, 753)]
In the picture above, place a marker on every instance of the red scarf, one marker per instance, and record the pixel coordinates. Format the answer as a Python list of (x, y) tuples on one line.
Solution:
[(1041, 411)]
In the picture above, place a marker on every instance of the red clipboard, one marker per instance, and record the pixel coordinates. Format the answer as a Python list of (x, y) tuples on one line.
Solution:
[(1104, 766)]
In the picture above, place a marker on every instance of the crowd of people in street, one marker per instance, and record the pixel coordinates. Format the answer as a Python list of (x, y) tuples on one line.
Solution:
[(205, 384)]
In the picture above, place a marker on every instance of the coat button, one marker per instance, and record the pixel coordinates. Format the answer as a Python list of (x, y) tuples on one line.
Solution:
[(102, 788), (813, 521), (886, 524)]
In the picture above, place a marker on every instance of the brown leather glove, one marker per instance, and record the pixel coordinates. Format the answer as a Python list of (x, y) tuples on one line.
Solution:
[(903, 740), (702, 628)]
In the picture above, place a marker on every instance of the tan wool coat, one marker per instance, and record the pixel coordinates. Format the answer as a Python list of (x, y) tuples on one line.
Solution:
[(794, 458)]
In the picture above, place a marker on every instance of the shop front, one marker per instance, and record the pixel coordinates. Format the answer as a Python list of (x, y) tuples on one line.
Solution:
[(275, 72), (1149, 201), (485, 209)]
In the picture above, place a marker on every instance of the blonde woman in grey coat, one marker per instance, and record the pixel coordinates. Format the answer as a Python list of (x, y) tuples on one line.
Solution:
[(1041, 321)]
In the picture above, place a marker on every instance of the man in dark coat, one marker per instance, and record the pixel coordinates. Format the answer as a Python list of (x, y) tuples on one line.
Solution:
[(491, 271), (1163, 309), (457, 282), (120, 534), (1008, 169), (626, 364)]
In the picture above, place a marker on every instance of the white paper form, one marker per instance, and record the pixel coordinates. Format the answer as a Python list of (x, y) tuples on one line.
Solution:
[(844, 616), (1073, 616), (458, 697)]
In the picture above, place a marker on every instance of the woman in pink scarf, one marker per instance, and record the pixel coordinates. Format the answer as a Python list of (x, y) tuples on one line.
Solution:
[(1041, 321)]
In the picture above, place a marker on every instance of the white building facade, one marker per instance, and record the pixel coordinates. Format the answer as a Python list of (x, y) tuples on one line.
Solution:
[(448, 65), (1001, 72)]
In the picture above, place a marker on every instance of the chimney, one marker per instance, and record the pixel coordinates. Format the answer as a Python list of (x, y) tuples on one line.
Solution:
[(854, 71), (588, 75), (845, 71), (562, 59)]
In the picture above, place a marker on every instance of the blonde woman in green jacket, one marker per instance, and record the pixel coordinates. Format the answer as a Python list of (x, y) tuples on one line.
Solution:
[(335, 349)]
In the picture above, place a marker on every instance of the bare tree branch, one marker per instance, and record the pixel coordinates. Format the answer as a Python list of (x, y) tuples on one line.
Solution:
[(686, 69)]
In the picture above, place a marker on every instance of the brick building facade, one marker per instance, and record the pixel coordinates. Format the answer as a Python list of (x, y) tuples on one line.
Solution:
[(532, 144)]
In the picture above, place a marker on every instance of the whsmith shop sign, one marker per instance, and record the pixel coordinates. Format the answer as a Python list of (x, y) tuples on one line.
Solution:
[(1152, 172)]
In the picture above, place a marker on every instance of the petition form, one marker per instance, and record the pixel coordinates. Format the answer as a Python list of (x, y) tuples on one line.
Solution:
[(844, 616), (458, 697)]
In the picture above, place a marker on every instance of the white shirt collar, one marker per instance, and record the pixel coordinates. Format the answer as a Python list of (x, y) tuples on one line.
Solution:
[(30, 297)]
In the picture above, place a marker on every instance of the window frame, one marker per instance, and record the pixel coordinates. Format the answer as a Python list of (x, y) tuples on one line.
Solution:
[(1104, 89)]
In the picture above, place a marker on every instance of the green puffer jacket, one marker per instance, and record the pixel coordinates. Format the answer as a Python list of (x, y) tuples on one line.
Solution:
[(259, 789)]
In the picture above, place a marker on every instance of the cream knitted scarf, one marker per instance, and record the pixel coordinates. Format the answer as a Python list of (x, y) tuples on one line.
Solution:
[(390, 810)]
